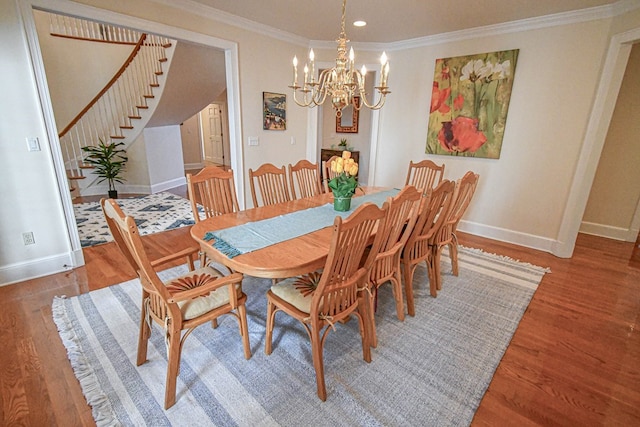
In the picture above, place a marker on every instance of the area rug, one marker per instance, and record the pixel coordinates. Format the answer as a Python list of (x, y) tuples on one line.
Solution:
[(153, 213), (431, 369)]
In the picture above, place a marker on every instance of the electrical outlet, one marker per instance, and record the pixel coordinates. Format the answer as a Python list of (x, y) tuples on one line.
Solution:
[(28, 238)]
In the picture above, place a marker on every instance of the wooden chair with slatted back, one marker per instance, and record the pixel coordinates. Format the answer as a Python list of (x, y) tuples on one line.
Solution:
[(327, 173), (402, 213), (214, 190), (424, 175), (322, 300), (307, 177), (181, 304), (418, 249), (465, 188), (272, 183)]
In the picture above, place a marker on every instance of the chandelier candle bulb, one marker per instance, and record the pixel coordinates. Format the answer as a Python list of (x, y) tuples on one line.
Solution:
[(312, 58), (295, 70)]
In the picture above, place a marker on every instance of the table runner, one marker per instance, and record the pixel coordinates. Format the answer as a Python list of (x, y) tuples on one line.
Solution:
[(244, 238)]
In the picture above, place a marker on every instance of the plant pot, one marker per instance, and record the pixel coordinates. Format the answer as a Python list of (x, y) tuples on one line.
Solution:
[(113, 194), (342, 204)]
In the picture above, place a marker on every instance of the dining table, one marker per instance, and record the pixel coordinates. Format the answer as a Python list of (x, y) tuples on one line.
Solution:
[(281, 240)]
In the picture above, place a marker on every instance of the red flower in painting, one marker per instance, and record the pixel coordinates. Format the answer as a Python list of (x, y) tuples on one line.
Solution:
[(458, 102), (461, 135), (438, 98)]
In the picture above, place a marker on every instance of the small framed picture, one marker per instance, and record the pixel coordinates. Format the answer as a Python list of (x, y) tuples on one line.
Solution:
[(274, 111)]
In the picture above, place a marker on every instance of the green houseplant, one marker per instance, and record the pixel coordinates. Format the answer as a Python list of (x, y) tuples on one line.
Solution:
[(108, 161)]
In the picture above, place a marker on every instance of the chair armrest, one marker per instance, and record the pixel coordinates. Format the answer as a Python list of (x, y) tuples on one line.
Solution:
[(188, 252), (206, 289)]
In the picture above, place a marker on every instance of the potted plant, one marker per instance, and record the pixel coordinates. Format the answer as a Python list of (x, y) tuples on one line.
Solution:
[(108, 161), (344, 184)]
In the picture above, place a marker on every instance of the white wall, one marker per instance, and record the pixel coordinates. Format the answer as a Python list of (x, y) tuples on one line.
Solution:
[(521, 197)]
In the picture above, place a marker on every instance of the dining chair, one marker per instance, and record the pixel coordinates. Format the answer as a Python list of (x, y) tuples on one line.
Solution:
[(214, 190), (272, 183), (402, 213), (424, 175), (180, 304), (465, 189), (322, 300), (418, 248), (307, 177), (327, 173)]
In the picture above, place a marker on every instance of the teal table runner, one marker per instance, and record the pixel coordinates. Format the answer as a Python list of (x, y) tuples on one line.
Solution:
[(240, 239)]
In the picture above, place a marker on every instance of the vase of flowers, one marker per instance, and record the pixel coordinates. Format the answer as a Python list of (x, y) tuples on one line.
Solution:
[(344, 184)]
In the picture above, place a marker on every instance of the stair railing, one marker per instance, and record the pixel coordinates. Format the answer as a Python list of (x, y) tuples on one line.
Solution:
[(117, 104)]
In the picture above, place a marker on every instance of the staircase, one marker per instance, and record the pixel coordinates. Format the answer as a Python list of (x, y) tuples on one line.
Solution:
[(120, 110)]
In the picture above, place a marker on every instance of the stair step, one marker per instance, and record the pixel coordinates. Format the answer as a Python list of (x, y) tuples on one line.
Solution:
[(163, 59), (116, 137), (154, 84), (159, 73), (142, 106), (126, 127), (86, 167), (148, 96), (166, 45), (72, 189), (75, 177)]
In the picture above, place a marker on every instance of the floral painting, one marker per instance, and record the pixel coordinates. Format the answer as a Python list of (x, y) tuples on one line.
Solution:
[(469, 104)]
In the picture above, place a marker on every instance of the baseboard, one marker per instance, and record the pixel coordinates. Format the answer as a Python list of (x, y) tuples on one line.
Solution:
[(136, 189), (38, 268), (608, 231), (509, 236), (192, 166)]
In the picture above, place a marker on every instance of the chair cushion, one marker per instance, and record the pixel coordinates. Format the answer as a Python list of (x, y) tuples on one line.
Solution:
[(200, 305), (298, 291)]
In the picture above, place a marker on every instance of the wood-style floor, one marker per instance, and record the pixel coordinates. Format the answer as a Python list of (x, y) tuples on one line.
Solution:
[(574, 360)]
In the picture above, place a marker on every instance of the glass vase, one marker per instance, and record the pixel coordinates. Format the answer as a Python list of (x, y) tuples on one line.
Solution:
[(342, 204)]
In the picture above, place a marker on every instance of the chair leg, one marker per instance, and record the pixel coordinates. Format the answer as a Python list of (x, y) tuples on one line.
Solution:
[(269, 326), (244, 331), (397, 293), (173, 367), (453, 252), (367, 325), (408, 288), (371, 316), (145, 333), (318, 363), (433, 285), (437, 268)]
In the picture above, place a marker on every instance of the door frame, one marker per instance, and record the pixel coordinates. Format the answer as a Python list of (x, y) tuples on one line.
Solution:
[(95, 14)]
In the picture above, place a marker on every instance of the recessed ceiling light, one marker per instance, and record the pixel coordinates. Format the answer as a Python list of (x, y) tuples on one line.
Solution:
[(359, 24)]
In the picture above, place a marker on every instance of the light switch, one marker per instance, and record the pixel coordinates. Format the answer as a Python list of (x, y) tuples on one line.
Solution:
[(33, 144), (293, 140), (254, 140)]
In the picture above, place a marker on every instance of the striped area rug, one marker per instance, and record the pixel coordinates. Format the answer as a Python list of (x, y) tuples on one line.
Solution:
[(431, 369)]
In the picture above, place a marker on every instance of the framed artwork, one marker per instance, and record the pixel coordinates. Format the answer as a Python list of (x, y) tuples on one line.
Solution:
[(274, 111), (348, 120), (469, 104)]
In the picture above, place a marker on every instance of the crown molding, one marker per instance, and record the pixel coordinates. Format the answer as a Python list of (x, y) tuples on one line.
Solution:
[(564, 18), (234, 20)]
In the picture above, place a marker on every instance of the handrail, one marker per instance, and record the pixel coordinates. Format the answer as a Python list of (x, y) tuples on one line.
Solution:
[(104, 90)]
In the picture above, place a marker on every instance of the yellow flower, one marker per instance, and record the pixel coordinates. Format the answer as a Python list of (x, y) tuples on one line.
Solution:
[(353, 170), (346, 154)]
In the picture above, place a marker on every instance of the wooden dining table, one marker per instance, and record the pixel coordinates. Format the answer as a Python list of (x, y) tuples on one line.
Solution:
[(288, 258)]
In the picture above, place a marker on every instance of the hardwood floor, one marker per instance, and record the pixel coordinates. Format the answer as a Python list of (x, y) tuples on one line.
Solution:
[(574, 359)]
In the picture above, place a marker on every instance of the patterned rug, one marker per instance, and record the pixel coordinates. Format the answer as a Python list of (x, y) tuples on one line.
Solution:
[(430, 370), (153, 213)]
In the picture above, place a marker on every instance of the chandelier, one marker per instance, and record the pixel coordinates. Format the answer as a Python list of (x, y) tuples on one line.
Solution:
[(340, 83)]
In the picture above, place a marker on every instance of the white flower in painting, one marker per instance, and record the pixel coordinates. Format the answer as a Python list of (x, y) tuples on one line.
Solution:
[(501, 70), (475, 70)]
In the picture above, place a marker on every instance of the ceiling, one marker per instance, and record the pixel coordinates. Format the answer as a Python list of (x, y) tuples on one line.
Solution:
[(391, 20)]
